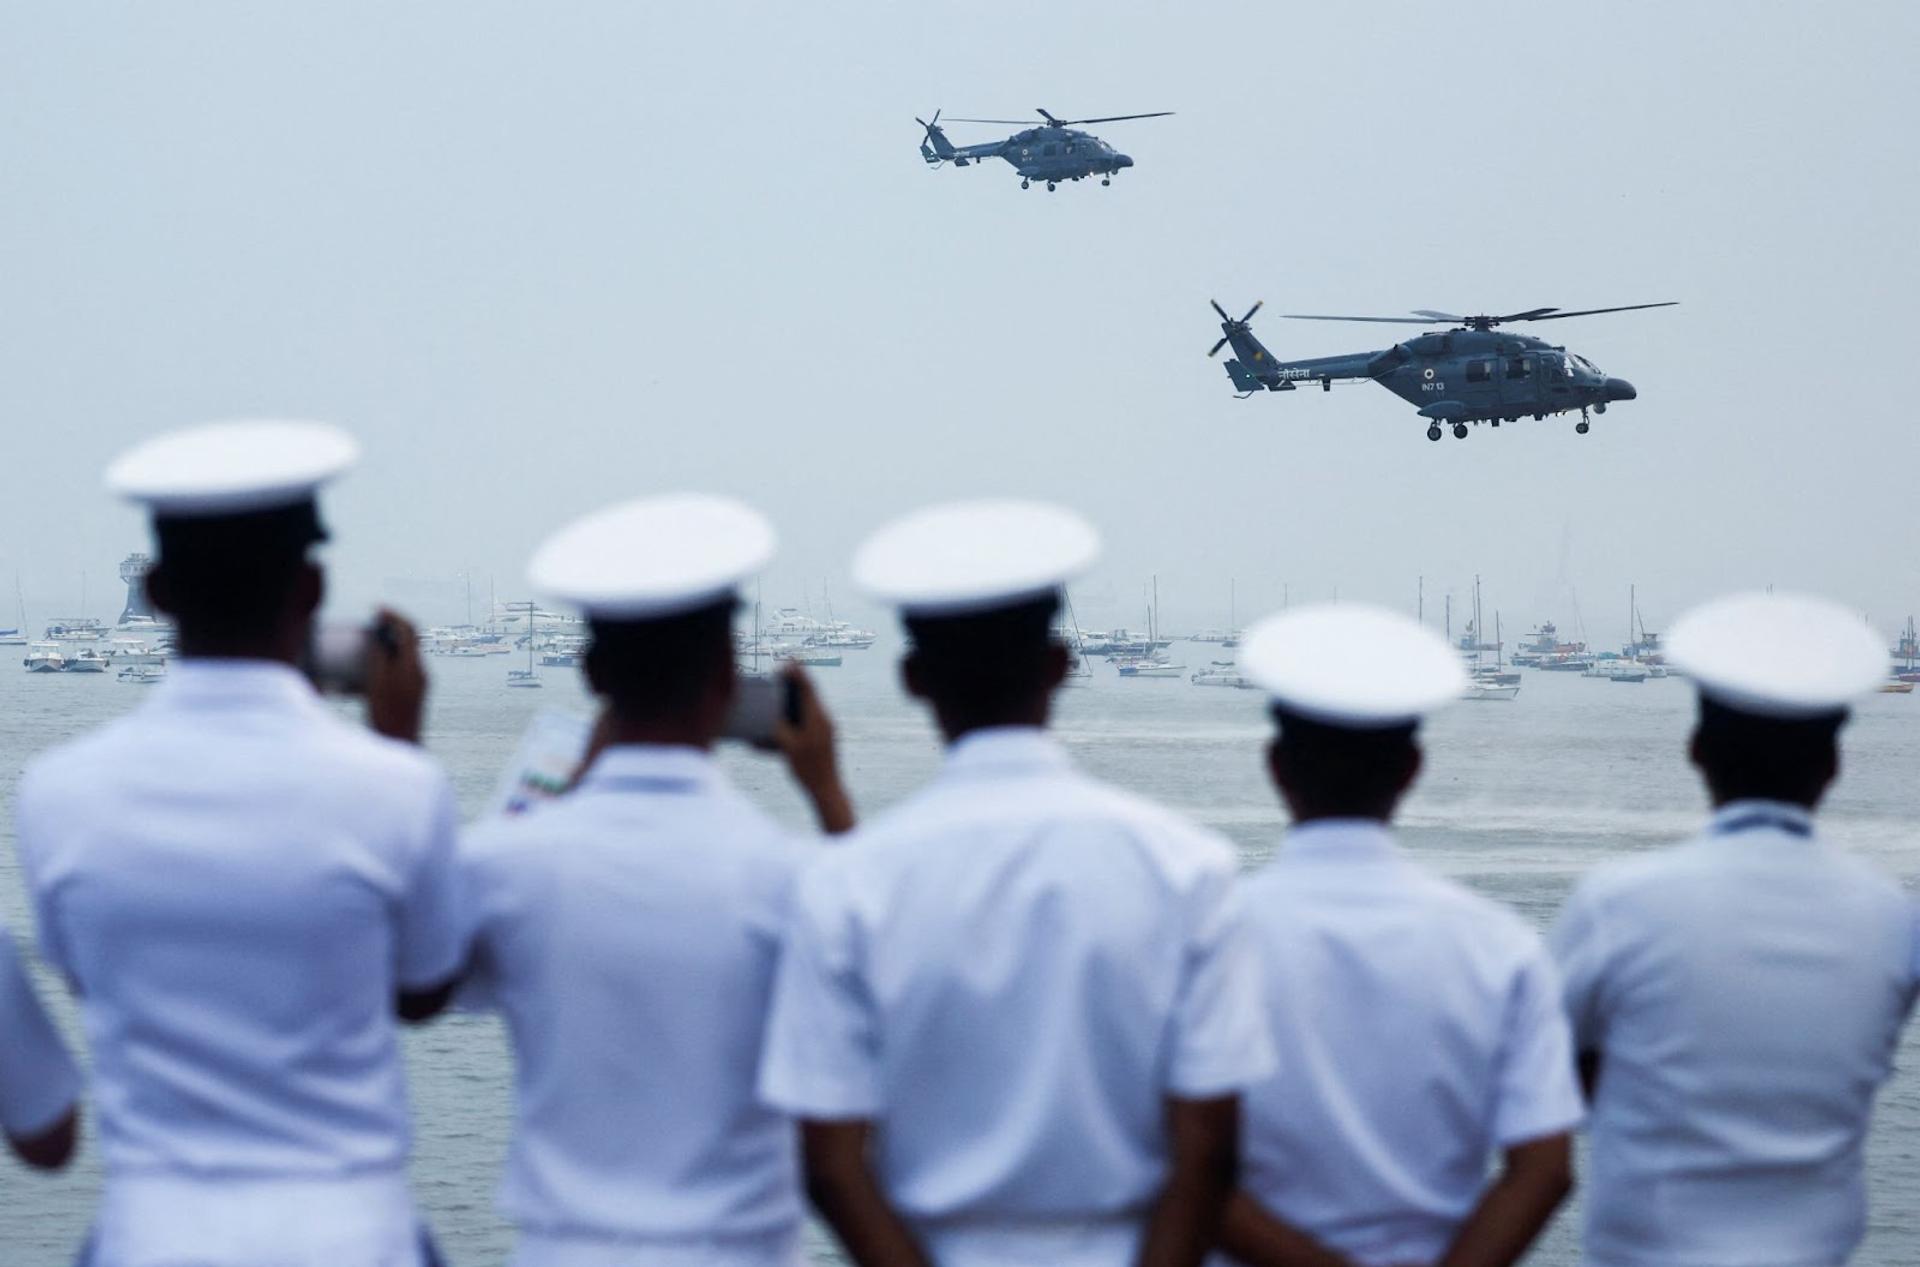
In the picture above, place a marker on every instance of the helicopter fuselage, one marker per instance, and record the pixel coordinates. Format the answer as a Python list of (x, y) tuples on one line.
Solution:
[(1452, 377), (1050, 154)]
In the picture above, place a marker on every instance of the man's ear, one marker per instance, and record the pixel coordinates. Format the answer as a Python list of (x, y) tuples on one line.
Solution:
[(159, 587), (912, 679), (310, 590), (1059, 660)]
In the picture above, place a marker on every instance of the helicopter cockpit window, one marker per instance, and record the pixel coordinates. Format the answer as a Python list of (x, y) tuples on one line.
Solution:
[(1479, 371), (1520, 367)]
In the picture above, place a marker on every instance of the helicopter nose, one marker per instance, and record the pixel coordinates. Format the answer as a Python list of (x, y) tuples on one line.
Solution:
[(1619, 389), (1122, 160)]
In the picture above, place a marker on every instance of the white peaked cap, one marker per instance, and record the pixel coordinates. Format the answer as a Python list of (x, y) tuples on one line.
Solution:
[(963, 557), (1352, 665), (653, 556), (1789, 656), (232, 468)]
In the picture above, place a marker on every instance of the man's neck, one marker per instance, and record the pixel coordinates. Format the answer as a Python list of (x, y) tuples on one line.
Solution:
[(660, 733)]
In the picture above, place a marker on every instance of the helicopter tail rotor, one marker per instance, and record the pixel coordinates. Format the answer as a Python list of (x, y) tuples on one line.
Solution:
[(934, 146), (1230, 326)]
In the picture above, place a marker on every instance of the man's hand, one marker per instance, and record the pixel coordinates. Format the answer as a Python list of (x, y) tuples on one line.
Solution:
[(396, 680), (811, 755)]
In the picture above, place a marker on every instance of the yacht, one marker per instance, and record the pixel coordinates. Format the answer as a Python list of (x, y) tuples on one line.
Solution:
[(86, 660), (816, 657), (1150, 667), (143, 674), (1484, 692), (1222, 673), (12, 638), (44, 657), (522, 678)]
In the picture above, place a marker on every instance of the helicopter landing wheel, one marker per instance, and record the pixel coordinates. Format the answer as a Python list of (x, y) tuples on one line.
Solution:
[(1025, 184), (1051, 186), (1433, 433), (1580, 427), (1459, 430), (1106, 180)]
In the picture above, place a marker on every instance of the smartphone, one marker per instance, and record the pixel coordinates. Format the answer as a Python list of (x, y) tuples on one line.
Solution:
[(336, 659), (759, 706)]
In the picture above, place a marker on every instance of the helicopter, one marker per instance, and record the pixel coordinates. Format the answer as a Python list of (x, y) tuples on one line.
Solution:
[(1052, 152), (1469, 374)]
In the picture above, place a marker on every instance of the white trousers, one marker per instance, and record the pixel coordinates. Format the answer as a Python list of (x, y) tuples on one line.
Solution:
[(543, 1249), (1090, 1242), (177, 1221)]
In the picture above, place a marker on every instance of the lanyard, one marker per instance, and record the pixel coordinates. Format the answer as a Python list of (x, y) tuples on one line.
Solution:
[(1760, 820)]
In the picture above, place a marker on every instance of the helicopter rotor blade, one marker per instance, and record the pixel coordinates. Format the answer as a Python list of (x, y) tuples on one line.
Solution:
[(1017, 123), (1398, 321), (1217, 347), (1110, 118), (1554, 315), (1258, 304), (1222, 311), (1531, 314), (1438, 316)]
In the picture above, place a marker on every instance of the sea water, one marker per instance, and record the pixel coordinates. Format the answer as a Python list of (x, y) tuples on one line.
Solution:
[(1517, 801)]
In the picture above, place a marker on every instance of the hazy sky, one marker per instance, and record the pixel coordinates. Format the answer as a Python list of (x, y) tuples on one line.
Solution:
[(541, 257)]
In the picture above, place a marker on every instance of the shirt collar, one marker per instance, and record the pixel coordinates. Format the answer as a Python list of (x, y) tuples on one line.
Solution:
[(1006, 750), (197, 680), (651, 768), (1738, 817), (1340, 839)]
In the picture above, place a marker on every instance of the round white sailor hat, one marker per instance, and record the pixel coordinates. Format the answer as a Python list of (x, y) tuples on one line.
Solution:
[(232, 468), (959, 558), (653, 556), (1352, 665), (1788, 656)]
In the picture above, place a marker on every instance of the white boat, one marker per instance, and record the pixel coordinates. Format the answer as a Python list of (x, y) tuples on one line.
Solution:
[(522, 678), (143, 674), (86, 660), (1143, 667), (527, 678), (813, 657), (1487, 692), (44, 657), (12, 638), (1896, 686), (1222, 673), (1624, 671)]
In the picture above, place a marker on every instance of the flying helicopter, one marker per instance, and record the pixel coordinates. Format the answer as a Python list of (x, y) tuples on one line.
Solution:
[(1053, 151), (1472, 373)]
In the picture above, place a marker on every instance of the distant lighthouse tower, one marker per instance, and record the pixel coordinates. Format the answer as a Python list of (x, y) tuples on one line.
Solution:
[(133, 570)]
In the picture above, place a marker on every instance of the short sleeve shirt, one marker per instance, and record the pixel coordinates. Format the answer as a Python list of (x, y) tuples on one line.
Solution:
[(238, 882), (1745, 993), (1419, 1032), (38, 1084), (1008, 973), (628, 933)]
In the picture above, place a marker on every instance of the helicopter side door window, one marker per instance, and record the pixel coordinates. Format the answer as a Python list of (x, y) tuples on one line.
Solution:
[(1519, 367), (1479, 371), (1051, 149)]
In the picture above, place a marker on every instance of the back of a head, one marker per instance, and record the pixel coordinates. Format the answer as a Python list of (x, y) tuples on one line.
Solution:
[(1776, 674), (232, 577), (664, 669), (1342, 772), (987, 667)]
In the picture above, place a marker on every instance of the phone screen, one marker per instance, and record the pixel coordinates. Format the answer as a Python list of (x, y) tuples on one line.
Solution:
[(757, 709)]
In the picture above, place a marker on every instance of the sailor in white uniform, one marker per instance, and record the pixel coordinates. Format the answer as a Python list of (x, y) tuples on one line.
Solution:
[(1016, 1013), (628, 931), (243, 889), (39, 1087), (1417, 1024), (1736, 1000)]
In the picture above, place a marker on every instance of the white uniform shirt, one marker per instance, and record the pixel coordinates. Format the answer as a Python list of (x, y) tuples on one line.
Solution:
[(1419, 1030), (628, 932), (1009, 971), (1744, 992), (237, 881), (38, 1084)]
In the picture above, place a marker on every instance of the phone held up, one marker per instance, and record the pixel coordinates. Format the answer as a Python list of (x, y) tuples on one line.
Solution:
[(338, 653), (759, 706)]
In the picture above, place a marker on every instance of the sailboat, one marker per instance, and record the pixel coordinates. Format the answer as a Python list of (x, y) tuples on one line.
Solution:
[(1155, 663), (1488, 683), (1079, 672), (1906, 655), (526, 677)]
